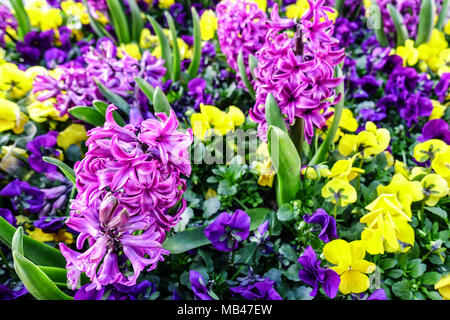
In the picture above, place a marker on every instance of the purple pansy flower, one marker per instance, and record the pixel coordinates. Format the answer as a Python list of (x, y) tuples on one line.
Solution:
[(24, 196), (441, 88), (227, 230), (198, 286), (327, 223), (9, 291), (258, 290), (435, 129), (314, 275), (55, 57), (8, 216)]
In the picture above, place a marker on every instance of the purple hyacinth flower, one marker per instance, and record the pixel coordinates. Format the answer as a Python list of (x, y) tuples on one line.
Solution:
[(435, 129), (228, 230), (260, 290), (314, 275), (198, 286), (8, 216), (24, 196), (327, 222)]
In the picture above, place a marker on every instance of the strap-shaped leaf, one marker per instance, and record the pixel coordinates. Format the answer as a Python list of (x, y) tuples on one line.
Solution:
[(88, 114), (321, 154), (102, 106), (402, 32), (38, 252), (17, 241), (380, 33), (274, 116), (160, 102), (287, 164), (164, 43), (119, 21), (253, 63), (243, 73), (98, 28), (36, 281), (426, 22), (195, 62), (114, 98), (339, 6), (194, 237), (137, 23), (21, 15), (146, 87), (68, 171), (443, 14), (176, 58)]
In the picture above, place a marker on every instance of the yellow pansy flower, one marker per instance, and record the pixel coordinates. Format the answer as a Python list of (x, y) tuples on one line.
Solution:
[(400, 167), (39, 235), (428, 149), (382, 137), (434, 187), (75, 9), (310, 172), (14, 82), (200, 125), (147, 40), (438, 110), (132, 49), (443, 286), (441, 163), (444, 62), (371, 141), (409, 53), (45, 18), (210, 193), (266, 173), (387, 225), (9, 115), (343, 169), (339, 192), (42, 111), (347, 122), (406, 191), (350, 264), (73, 134), (389, 158), (208, 25), (236, 115), (297, 10), (166, 4), (34, 71)]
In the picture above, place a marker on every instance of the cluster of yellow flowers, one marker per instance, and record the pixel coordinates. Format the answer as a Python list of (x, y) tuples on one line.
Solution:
[(150, 41), (298, 9)]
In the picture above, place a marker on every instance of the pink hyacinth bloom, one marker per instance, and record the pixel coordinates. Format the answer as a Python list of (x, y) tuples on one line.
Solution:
[(298, 71)]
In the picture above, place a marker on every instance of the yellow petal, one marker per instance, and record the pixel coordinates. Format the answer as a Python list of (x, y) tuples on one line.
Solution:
[(353, 282)]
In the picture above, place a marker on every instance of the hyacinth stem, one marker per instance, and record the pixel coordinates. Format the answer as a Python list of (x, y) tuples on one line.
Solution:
[(22, 18), (443, 15), (176, 59), (426, 22), (321, 154), (297, 134)]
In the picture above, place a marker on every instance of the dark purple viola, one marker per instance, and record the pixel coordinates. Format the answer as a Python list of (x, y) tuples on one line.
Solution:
[(44, 146), (228, 230), (314, 275), (327, 223), (258, 290), (23, 196), (55, 57), (435, 129), (11, 291), (441, 88), (8, 216), (198, 286)]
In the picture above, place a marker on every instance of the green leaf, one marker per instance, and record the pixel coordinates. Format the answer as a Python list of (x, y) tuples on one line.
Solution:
[(388, 263), (166, 52), (102, 106), (286, 162), (252, 63), (160, 102), (321, 154), (292, 272), (137, 23), (21, 15), (195, 62), (339, 6), (286, 212), (433, 295), (402, 289), (38, 252), (379, 26), (210, 206), (114, 98), (194, 237), (430, 278), (88, 114), (443, 15), (119, 21), (402, 31), (59, 275), (98, 28), (438, 211), (289, 252), (17, 241), (146, 88), (243, 73), (417, 268), (395, 274), (176, 62), (426, 22), (68, 171), (36, 281), (274, 116)]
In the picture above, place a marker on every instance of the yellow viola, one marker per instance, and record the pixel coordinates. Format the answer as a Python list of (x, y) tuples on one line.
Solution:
[(347, 122), (208, 25), (428, 149), (339, 192), (10, 117), (131, 49), (406, 191), (166, 4), (262, 4), (210, 193), (266, 173), (409, 53), (42, 111), (316, 172), (44, 18), (147, 40), (297, 10), (200, 125), (14, 83), (434, 187), (400, 167), (441, 163), (73, 134), (350, 264), (443, 286), (343, 169), (371, 141), (382, 137), (75, 9), (438, 110), (387, 226)]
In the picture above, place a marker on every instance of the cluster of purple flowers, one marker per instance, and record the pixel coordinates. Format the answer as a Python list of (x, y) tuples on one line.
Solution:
[(127, 182), (241, 26), (76, 83), (299, 71)]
